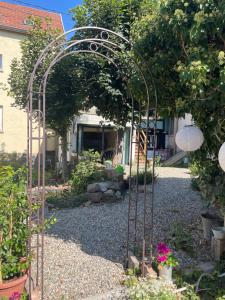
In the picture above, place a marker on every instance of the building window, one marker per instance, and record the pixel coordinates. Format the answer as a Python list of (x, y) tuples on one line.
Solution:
[(1, 118), (1, 62)]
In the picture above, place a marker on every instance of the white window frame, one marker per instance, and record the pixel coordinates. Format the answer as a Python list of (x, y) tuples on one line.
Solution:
[(1, 118), (1, 62)]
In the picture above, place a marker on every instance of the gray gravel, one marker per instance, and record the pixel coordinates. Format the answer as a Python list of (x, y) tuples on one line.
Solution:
[(85, 249)]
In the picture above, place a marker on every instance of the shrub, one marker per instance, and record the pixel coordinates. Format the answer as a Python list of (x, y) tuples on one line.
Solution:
[(144, 288), (14, 160), (66, 199), (141, 178), (14, 212), (87, 171), (14, 232), (180, 239)]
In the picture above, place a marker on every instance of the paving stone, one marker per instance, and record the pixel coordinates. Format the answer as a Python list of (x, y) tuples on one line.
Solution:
[(94, 197)]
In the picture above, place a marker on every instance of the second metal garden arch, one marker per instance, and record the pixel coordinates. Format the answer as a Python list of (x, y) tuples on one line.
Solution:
[(112, 47)]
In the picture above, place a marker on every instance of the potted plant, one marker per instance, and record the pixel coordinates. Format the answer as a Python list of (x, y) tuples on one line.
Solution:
[(166, 262), (14, 232)]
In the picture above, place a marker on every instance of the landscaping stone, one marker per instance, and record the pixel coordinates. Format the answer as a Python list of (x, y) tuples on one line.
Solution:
[(111, 191), (88, 203), (109, 196), (116, 186), (118, 195), (133, 262), (148, 271), (98, 187), (94, 197)]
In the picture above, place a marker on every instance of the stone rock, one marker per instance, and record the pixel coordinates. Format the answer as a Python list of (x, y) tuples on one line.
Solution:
[(88, 203), (98, 187), (117, 186), (92, 188), (103, 186), (133, 262), (109, 193), (94, 197), (206, 267), (118, 195), (109, 196), (148, 271)]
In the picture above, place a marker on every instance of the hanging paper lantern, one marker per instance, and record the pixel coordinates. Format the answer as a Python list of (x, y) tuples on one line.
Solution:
[(190, 138), (222, 157)]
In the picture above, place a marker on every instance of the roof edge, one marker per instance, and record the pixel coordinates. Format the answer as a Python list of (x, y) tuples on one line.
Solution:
[(13, 29)]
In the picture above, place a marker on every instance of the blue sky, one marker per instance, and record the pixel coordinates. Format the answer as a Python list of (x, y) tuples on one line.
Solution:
[(58, 5)]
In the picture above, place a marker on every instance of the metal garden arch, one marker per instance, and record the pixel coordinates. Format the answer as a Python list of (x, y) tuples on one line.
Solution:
[(111, 46)]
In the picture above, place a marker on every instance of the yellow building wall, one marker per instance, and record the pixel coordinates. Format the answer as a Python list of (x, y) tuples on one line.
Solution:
[(14, 135)]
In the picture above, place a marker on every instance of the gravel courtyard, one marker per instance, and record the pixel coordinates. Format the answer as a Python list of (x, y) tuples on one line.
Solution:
[(85, 249)]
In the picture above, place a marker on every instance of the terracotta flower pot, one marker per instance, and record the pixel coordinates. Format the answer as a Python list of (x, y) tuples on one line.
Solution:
[(8, 288)]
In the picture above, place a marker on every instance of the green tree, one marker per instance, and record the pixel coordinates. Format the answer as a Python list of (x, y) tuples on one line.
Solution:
[(184, 42), (63, 99), (107, 87)]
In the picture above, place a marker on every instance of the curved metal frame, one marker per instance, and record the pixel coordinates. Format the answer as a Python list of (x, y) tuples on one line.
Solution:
[(63, 49)]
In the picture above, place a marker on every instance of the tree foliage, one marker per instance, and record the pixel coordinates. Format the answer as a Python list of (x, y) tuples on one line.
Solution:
[(109, 91), (62, 101), (184, 42)]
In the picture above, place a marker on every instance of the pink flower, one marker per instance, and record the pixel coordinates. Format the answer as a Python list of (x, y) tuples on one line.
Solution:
[(15, 296), (163, 249), (161, 258)]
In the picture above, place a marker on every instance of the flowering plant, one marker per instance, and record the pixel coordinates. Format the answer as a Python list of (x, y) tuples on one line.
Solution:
[(165, 257)]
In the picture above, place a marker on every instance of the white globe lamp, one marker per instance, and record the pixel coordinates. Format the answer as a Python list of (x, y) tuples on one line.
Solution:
[(189, 139), (222, 157)]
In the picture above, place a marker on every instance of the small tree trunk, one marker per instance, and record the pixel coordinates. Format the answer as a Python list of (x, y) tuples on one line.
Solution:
[(64, 157)]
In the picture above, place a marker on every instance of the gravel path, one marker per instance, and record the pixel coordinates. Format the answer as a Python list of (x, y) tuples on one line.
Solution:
[(85, 248)]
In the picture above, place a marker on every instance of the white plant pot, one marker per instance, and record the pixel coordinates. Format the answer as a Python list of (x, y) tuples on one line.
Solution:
[(219, 233), (165, 272)]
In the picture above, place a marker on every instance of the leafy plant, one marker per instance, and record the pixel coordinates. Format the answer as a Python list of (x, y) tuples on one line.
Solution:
[(180, 239), (141, 177), (183, 41), (210, 287), (194, 184), (13, 228), (119, 169), (14, 232), (67, 199), (149, 289), (88, 170), (12, 159)]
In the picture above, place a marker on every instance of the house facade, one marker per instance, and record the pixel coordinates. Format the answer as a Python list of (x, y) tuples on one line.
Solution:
[(90, 131), (14, 26)]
